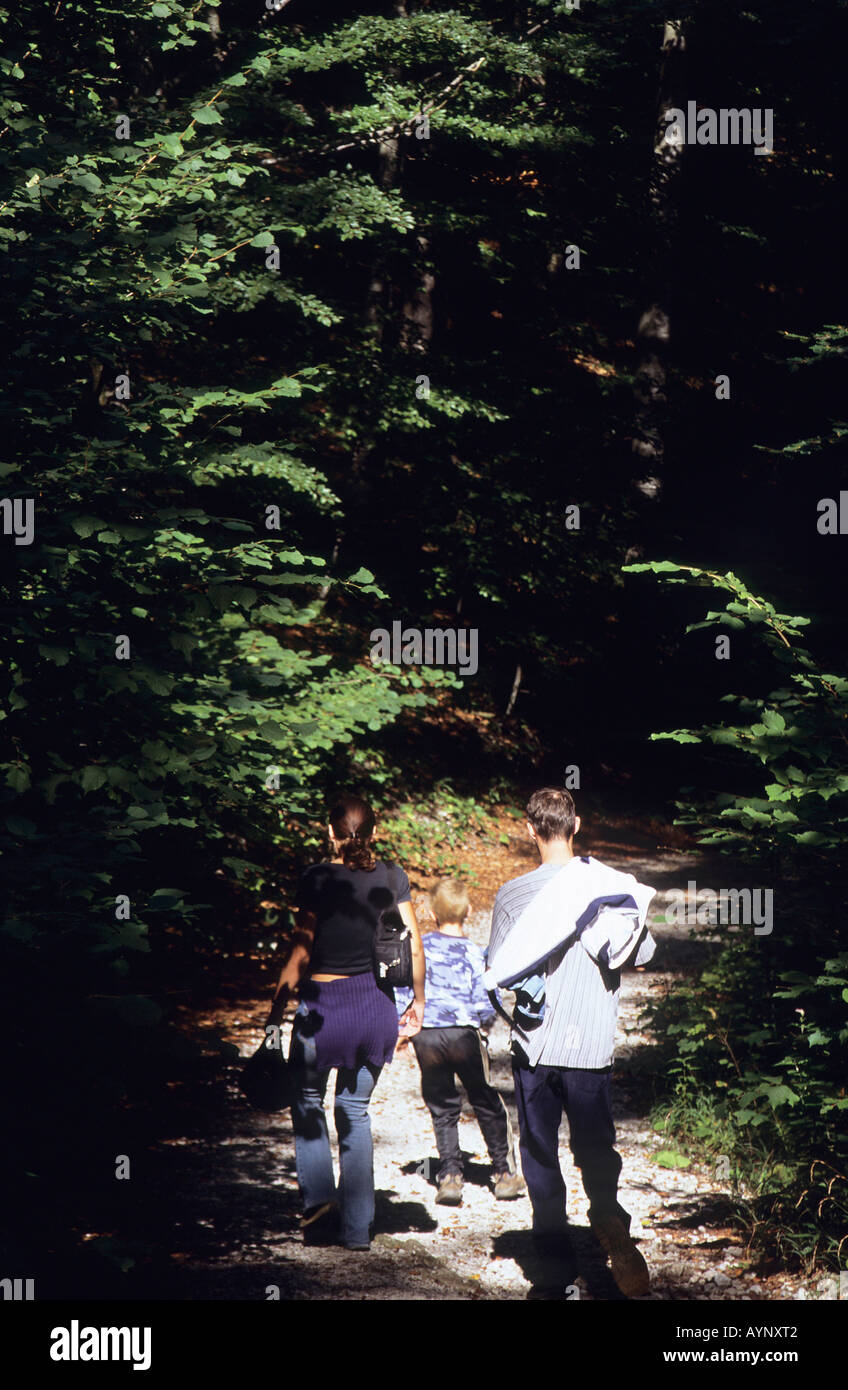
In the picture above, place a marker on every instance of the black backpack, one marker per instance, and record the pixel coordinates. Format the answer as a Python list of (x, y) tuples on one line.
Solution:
[(392, 949)]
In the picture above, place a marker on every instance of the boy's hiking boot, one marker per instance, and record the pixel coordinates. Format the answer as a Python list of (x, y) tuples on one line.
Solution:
[(450, 1190), (626, 1262), (508, 1185)]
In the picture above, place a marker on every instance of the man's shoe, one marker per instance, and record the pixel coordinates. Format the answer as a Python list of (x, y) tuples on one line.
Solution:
[(319, 1225), (508, 1185), (450, 1190), (552, 1245), (551, 1267), (626, 1262)]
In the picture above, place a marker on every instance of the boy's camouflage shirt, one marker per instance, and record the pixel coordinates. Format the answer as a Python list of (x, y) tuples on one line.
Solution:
[(454, 989)]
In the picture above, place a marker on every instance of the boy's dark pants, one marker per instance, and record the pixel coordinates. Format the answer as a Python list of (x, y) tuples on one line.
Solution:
[(444, 1053), (542, 1093)]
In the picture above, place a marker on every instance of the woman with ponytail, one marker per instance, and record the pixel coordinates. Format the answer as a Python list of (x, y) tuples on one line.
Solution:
[(345, 1022)]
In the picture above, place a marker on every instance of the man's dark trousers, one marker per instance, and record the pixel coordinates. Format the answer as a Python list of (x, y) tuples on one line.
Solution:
[(542, 1093), (443, 1054)]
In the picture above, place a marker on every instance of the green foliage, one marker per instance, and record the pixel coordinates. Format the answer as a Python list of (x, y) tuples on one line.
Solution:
[(794, 736), (430, 838), (766, 1024), (153, 522), (828, 346), (175, 695)]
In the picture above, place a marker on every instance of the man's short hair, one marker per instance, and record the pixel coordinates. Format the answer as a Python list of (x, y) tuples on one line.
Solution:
[(551, 814), (449, 900)]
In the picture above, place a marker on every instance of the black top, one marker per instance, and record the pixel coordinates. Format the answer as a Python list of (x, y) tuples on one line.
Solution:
[(347, 904)]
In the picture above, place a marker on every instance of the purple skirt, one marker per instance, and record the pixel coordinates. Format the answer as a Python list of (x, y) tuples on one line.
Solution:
[(352, 1020)]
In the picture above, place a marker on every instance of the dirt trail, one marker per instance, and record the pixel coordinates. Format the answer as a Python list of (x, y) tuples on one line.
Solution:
[(235, 1190)]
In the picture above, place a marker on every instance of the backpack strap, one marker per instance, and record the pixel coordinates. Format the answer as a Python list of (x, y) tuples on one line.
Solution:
[(499, 1009), (393, 871)]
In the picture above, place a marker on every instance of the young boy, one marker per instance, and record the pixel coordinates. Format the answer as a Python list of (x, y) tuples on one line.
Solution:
[(451, 1044)]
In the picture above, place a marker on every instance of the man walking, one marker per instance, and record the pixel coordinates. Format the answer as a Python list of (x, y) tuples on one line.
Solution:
[(574, 922)]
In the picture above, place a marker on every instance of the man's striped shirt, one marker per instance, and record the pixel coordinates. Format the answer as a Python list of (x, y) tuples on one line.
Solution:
[(581, 997)]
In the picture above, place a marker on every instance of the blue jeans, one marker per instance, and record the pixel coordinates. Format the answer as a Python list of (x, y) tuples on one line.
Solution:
[(312, 1142), (542, 1093)]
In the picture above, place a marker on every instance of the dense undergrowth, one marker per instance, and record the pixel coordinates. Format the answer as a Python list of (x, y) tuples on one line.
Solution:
[(756, 1046)]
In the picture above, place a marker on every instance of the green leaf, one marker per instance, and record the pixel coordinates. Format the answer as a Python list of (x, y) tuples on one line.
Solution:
[(60, 656), (89, 181), (207, 115), (669, 1158), (781, 1095), (773, 721)]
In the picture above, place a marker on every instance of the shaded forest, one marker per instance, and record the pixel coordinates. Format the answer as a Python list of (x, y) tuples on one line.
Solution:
[(319, 321)]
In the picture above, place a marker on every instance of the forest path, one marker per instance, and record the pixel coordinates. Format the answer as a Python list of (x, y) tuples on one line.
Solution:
[(236, 1192)]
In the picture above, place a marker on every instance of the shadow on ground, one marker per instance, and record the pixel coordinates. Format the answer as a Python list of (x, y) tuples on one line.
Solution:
[(477, 1174), (553, 1276)]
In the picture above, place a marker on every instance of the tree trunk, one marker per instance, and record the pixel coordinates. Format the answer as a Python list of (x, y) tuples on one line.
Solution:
[(654, 332), (388, 163), (417, 328), (376, 311), (513, 694)]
